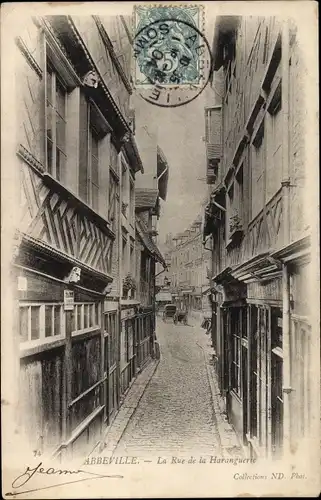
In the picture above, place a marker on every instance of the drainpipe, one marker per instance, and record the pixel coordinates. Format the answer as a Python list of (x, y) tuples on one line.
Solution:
[(286, 239)]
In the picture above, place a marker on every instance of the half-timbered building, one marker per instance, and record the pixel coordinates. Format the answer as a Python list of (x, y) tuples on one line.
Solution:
[(150, 192), (257, 219), (77, 159)]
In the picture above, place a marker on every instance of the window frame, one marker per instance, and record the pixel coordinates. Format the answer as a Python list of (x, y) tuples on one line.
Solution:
[(42, 338), (52, 117)]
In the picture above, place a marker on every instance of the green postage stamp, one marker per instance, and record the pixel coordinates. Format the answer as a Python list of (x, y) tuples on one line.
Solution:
[(168, 45)]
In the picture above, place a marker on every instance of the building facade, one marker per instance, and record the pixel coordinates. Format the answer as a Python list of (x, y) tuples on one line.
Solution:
[(77, 160), (189, 269), (151, 191), (260, 231)]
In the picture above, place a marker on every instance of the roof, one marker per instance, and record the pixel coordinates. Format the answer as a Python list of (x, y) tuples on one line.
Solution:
[(163, 296), (81, 60), (145, 198), (148, 242)]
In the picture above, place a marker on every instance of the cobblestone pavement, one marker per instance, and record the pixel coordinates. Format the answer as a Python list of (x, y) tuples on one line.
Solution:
[(176, 414)]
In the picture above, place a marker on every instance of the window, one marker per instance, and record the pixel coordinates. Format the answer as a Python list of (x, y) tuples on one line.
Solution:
[(93, 168), (40, 321), (86, 315), (55, 124)]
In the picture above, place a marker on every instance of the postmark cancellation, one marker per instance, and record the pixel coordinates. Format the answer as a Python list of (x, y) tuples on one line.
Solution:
[(170, 53)]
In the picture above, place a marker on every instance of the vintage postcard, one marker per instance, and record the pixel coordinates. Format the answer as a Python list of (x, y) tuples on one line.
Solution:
[(160, 250)]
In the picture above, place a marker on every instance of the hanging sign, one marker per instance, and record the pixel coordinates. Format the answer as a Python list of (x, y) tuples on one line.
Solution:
[(69, 300)]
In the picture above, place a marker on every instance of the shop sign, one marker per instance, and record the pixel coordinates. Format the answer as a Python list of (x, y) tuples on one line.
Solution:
[(69, 300), (22, 284)]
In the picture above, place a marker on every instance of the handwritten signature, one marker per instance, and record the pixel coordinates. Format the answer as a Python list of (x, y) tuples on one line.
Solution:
[(30, 472)]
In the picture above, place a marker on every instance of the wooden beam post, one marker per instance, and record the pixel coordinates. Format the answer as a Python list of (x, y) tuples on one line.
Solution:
[(67, 375)]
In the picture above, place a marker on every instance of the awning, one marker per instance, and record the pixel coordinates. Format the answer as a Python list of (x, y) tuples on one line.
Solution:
[(259, 268)]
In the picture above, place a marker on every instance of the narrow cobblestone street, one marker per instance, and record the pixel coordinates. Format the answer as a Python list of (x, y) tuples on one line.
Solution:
[(176, 411)]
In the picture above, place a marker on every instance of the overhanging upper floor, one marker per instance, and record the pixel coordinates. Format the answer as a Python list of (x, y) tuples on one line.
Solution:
[(148, 242)]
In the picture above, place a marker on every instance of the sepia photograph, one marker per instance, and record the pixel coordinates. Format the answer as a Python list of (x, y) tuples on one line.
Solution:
[(160, 250)]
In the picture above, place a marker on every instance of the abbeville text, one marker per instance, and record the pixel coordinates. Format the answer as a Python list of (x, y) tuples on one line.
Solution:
[(101, 460)]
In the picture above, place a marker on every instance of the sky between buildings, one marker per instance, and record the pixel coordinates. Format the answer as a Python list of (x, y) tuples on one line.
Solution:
[(180, 132)]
